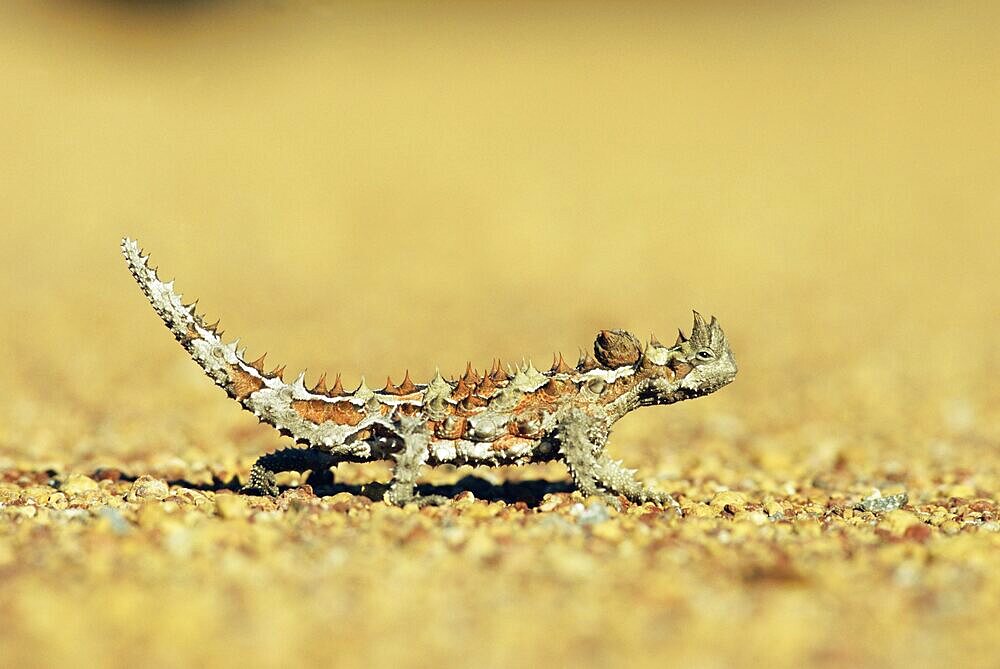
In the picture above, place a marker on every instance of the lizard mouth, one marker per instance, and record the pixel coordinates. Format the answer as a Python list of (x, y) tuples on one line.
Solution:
[(653, 398)]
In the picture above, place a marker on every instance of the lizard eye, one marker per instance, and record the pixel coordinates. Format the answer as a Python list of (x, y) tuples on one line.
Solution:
[(705, 354)]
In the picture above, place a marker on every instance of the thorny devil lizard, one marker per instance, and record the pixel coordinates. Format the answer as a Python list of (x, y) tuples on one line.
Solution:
[(512, 416)]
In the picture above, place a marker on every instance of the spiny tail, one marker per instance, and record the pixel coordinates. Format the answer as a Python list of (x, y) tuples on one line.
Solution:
[(265, 394)]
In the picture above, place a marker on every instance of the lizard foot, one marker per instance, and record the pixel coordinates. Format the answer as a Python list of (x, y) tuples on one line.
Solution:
[(610, 499), (399, 498), (262, 482), (430, 500), (673, 504), (664, 499)]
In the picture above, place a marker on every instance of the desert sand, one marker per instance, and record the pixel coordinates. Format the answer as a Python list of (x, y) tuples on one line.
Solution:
[(371, 188)]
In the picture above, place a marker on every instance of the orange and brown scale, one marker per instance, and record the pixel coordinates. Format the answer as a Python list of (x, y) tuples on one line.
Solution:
[(471, 393), (318, 411), (242, 384)]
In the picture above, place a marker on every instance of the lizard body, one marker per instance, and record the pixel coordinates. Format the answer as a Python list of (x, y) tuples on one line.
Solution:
[(504, 416)]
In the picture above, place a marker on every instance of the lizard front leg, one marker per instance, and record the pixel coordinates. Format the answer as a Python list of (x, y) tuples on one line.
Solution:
[(594, 472), (577, 452), (262, 480)]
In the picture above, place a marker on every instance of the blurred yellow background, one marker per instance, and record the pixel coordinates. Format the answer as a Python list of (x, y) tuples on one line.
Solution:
[(368, 187)]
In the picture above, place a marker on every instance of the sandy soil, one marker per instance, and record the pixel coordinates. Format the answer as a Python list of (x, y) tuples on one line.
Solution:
[(367, 189)]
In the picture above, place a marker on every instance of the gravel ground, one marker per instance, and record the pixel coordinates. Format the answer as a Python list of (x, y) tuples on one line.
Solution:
[(779, 560), (367, 190)]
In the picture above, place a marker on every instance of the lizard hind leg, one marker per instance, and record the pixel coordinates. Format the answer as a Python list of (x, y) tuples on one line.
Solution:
[(409, 460), (262, 479)]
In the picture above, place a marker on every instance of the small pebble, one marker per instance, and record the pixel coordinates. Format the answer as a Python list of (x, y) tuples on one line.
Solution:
[(730, 501), (608, 530), (231, 506), (75, 484), (879, 504), (594, 512), (147, 487), (38, 494), (115, 520), (898, 521), (951, 527), (773, 509)]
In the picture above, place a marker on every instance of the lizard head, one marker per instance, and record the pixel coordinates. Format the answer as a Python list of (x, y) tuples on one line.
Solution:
[(692, 367)]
